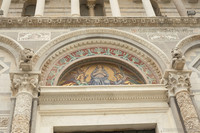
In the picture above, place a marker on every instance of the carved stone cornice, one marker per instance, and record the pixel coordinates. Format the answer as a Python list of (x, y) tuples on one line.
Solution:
[(177, 81), (25, 82), (55, 22), (102, 94)]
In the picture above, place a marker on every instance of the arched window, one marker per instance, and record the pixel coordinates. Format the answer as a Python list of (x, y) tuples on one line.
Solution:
[(29, 8), (156, 8)]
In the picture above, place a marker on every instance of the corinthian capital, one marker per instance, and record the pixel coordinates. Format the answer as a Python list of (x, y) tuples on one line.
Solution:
[(25, 82), (177, 81)]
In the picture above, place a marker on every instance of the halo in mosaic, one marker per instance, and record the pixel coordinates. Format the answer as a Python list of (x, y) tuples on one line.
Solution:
[(107, 52)]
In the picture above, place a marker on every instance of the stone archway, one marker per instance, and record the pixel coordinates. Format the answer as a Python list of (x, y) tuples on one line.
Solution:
[(49, 48), (100, 48)]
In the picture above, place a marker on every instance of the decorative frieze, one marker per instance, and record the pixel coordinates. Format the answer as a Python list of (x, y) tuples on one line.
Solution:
[(102, 94), (98, 22), (34, 36)]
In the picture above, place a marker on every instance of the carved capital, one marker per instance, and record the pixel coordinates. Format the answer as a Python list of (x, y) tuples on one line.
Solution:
[(25, 82), (177, 81)]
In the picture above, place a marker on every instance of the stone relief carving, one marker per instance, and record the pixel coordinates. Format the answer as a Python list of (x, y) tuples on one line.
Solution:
[(178, 83), (24, 87), (48, 64), (25, 83), (4, 121), (103, 21), (26, 59), (34, 36), (188, 112), (22, 113), (178, 60)]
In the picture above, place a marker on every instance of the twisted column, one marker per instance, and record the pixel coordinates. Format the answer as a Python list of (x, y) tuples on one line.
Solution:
[(24, 87), (178, 83)]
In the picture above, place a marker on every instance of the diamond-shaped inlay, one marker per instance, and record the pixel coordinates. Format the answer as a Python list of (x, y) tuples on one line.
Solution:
[(3, 67)]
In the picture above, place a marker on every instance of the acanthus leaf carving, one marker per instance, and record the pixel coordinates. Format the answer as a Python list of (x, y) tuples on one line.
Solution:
[(25, 83)]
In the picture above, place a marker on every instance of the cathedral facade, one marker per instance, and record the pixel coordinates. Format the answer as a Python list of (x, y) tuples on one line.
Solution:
[(99, 66)]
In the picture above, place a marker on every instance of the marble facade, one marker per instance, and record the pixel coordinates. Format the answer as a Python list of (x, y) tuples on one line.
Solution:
[(129, 69)]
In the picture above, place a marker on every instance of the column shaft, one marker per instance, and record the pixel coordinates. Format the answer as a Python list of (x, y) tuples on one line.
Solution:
[(188, 112), (180, 7), (39, 11), (5, 7), (22, 113), (91, 6), (148, 8), (75, 8), (34, 115), (115, 8)]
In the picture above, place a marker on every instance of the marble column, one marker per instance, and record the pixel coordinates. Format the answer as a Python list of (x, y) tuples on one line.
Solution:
[(39, 11), (148, 8), (24, 88), (5, 7), (91, 5), (75, 8), (115, 8), (180, 7), (178, 84)]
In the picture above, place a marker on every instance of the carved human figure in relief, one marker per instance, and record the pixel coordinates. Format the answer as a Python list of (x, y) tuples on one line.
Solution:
[(178, 60), (99, 76)]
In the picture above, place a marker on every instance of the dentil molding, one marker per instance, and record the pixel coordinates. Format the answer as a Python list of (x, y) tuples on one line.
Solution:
[(58, 22)]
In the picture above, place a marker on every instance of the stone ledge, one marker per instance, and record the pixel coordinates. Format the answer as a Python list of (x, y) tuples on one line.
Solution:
[(102, 94), (65, 22)]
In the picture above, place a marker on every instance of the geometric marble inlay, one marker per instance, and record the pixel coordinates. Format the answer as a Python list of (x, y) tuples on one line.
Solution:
[(3, 67)]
